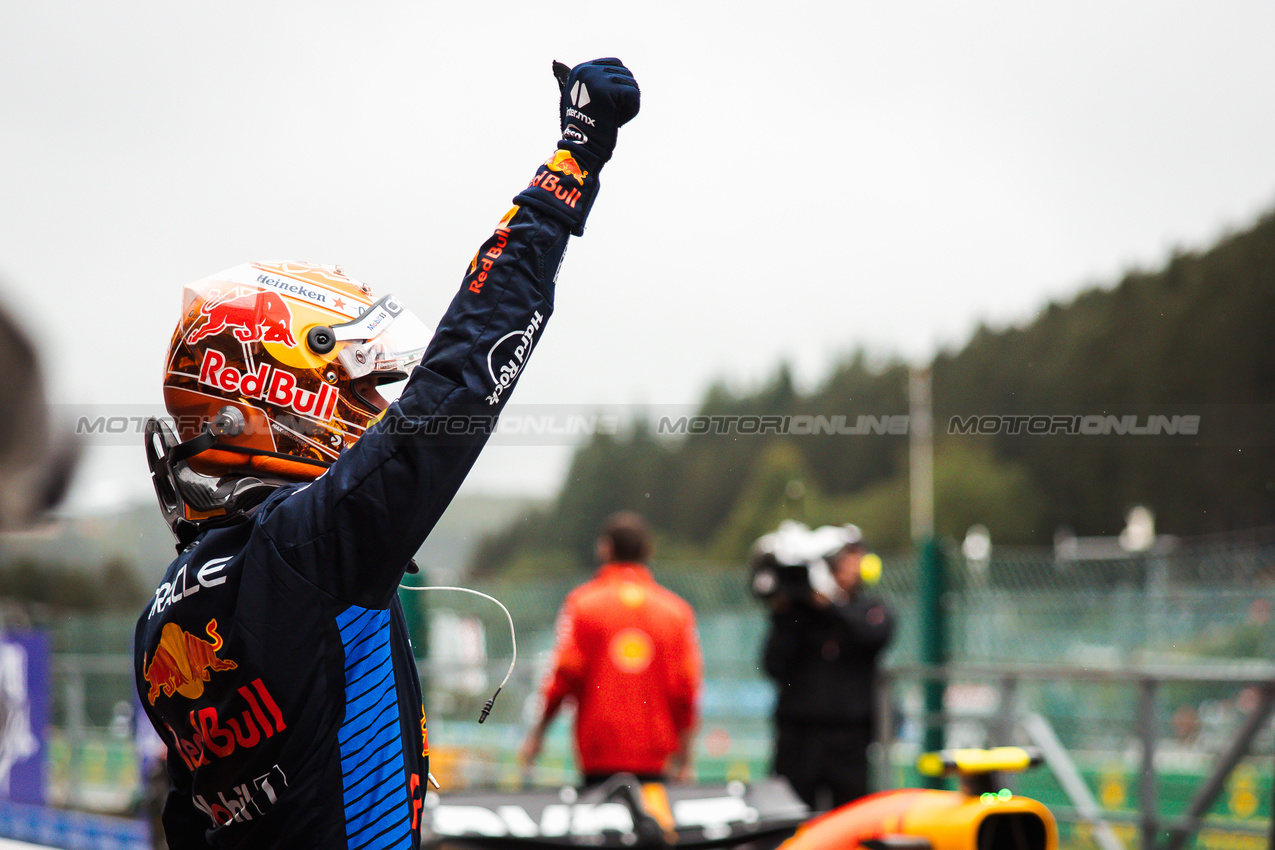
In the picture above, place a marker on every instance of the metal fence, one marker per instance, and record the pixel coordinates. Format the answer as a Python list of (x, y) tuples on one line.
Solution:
[(1204, 605), (1136, 775)]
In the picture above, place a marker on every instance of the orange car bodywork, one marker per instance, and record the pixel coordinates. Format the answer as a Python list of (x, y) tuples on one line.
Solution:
[(948, 820)]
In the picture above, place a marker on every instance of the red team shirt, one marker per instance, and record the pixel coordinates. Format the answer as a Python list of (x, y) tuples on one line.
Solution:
[(627, 653)]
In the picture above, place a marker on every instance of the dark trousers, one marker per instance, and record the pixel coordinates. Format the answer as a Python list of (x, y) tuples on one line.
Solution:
[(827, 765)]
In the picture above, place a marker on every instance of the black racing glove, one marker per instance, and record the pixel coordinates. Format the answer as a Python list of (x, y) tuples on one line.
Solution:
[(597, 98)]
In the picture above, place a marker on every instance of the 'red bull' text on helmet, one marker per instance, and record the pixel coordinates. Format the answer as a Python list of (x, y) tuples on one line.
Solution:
[(272, 372)]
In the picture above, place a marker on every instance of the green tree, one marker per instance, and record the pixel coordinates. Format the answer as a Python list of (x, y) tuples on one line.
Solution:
[(1192, 338)]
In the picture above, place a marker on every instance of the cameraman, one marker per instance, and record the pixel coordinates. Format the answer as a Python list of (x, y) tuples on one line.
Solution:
[(825, 639)]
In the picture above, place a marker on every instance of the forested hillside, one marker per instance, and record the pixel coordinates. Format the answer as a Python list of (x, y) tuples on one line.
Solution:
[(1192, 339)]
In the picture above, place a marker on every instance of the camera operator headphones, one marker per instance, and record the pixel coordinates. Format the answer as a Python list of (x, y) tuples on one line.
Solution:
[(795, 559), (848, 536)]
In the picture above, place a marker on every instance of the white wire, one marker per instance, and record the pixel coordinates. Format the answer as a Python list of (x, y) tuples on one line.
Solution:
[(513, 638)]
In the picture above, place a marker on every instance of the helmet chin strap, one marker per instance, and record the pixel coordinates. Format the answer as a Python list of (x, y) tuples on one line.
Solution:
[(183, 452), (180, 489)]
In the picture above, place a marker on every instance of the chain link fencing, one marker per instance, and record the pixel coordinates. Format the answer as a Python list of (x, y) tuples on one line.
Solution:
[(1204, 603)]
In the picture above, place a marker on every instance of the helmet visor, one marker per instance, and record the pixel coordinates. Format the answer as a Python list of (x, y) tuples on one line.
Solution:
[(386, 338)]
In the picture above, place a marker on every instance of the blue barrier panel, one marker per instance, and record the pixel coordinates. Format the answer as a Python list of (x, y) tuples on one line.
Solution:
[(72, 830)]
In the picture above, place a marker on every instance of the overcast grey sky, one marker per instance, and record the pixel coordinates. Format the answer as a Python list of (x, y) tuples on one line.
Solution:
[(803, 179)]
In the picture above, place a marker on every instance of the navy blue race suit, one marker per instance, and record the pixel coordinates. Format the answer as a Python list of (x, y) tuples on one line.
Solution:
[(274, 659)]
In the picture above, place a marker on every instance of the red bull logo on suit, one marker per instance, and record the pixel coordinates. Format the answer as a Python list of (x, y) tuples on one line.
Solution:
[(561, 163), (218, 733), (183, 662)]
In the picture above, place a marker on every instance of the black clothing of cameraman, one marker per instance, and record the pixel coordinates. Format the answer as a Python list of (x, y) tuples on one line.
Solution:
[(822, 653)]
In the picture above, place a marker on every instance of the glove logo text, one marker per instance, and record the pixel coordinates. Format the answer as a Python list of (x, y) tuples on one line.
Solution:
[(580, 116)]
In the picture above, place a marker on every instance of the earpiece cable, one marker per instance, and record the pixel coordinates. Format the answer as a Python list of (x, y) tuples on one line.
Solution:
[(513, 638)]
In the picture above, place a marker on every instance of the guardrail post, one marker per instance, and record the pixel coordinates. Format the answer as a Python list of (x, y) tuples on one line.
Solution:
[(933, 646), (416, 613), (1008, 720), (1039, 731), (886, 721), (1146, 727), (75, 728)]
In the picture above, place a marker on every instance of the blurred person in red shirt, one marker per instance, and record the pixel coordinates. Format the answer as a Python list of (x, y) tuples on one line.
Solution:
[(627, 655)]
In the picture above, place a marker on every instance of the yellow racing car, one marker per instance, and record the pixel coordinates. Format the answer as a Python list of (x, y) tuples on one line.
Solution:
[(765, 815)]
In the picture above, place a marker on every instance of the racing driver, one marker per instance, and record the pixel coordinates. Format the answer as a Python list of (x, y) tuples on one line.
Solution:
[(274, 658)]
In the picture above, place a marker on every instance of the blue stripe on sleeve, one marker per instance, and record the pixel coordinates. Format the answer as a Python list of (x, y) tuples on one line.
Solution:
[(377, 816)]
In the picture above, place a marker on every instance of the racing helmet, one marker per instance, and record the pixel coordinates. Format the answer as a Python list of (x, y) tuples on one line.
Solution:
[(272, 372)]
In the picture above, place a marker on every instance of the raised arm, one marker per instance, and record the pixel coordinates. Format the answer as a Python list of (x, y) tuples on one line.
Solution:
[(356, 527)]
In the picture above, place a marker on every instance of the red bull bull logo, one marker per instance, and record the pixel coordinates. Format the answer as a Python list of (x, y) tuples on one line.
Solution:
[(251, 317), (564, 163), (183, 662), (561, 164)]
